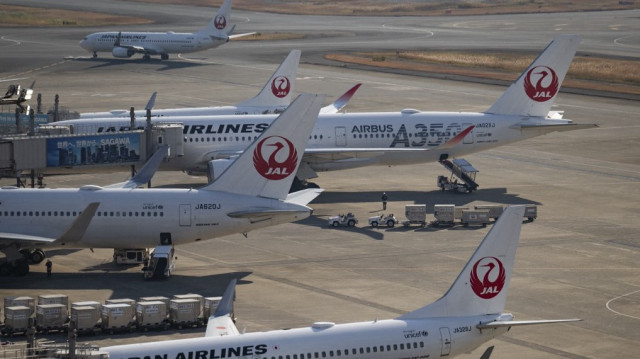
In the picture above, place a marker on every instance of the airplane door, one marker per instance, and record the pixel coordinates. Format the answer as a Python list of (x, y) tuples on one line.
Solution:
[(445, 334), (469, 137), (185, 215), (341, 136)]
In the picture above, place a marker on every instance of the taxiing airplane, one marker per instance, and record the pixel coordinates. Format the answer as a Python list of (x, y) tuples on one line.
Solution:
[(349, 140), (251, 194), (469, 314), (274, 98), (126, 44)]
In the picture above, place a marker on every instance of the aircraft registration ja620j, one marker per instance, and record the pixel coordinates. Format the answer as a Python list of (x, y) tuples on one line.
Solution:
[(349, 140)]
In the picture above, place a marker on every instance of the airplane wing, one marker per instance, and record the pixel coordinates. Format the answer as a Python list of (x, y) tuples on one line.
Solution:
[(73, 233), (221, 323), (342, 101), (146, 172), (258, 214), (304, 197), (515, 323)]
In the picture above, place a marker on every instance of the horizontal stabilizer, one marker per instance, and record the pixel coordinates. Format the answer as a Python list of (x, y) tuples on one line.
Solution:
[(304, 197), (263, 214), (221, 321), (563, 127), (515, 323)]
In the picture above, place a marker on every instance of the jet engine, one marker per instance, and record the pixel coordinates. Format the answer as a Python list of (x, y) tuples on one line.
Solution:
[(122, 52)]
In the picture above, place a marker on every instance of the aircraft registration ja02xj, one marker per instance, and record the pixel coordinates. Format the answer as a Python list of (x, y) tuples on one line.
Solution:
[(252, 193), (349, 140), (468, 315)]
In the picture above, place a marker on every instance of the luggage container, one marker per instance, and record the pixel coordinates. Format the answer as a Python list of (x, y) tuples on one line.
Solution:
[(457, 213), (164, 300), (22, 301), (86, 318), (416, 214), (50, 317), (151, 315), (475, 218), (16, 319), (184, 312), (88, 303), (495, 210), (210, 305), (117, 317), (128, 301), (54, 299), (444, 214), (197, 297)]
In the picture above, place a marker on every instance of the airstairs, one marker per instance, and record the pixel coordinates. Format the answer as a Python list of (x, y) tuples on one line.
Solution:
[(461, 169)]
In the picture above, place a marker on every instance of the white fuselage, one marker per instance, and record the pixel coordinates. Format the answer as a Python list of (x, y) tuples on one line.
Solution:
[(136, 218), (207, 138), (193, 111), (383, 339), (154, 42)]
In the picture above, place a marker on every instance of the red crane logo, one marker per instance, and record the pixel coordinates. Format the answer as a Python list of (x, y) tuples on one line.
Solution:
[(281, 162), (546, 85), (492, 282), (280, 86), (220, 22)]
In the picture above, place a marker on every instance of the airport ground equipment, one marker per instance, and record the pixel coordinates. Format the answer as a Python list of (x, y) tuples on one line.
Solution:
[(130, 256), (210, 305), (87, 319), (184, 313), (462, 170), (161, 263), (348, 220), (51, 317), (151, 315), (495, 210), (475, 218), (54, 299), (16, 320), (416, 214), (389, 220), (531, 212), (23, 301), (117, 317)]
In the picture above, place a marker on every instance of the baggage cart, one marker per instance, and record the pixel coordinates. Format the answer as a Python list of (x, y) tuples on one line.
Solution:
[(151, 315), (197, 297), (16, 320), (495, 210), (22, 301), (475, 218), (444, 214), (184, 313), (51, 317), (416, 214), (531, 212), (210, 305), (86, 318), (117, 317), (54, 299)]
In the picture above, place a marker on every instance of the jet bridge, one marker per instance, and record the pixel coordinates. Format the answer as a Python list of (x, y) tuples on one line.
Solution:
[(461, 169), (57, 151)]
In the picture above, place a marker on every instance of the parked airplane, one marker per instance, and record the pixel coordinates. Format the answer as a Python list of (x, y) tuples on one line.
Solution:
[(274, 98), (342, 141), (251, 194), (468, 315), (125, 44)]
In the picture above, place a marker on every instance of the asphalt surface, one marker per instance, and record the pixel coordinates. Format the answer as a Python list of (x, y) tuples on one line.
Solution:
[(579, 259)]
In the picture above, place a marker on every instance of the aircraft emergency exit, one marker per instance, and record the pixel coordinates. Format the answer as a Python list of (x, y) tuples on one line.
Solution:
[(126, 44), (252, 193), (469, 314), (349, 140), (274, 98)]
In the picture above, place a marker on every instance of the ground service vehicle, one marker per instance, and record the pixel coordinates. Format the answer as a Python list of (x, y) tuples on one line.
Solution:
[(390, 220), (161, 263), (348, 220)]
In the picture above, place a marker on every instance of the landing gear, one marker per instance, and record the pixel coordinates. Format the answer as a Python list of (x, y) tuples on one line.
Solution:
[(18, 268), (146, 57), (95, 54), (164, 56)]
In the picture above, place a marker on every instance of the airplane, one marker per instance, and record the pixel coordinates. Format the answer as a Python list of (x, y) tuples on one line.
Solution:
[(126, 44), (274, 98), (469, 314), (251, 194), (350, 140)]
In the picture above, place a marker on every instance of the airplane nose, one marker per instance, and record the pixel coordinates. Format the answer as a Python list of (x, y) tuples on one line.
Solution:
[(83, 43)]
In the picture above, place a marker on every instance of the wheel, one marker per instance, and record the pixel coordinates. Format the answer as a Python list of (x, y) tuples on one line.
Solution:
[(335, 224), (164, 57), (37, 256), (146, 57), (95, 54), (21, 268), (5, 269), (391, 223), (351, 223), (374, 224)]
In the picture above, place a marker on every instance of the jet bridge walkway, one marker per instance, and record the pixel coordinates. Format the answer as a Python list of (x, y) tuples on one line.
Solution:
[(461, 169)]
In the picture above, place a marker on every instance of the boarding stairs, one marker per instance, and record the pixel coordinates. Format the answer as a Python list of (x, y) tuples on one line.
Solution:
[(463, 170)]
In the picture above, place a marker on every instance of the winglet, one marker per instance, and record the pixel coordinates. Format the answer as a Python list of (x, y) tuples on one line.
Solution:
[(76, 230), (146, 172), (220, 323), (152, 101), (342, 101)]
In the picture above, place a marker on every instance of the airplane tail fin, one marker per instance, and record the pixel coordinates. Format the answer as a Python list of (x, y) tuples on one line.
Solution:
[(481, 288), (341, 101), (268, 166), (533, 93), (220, 24), (277, 91)]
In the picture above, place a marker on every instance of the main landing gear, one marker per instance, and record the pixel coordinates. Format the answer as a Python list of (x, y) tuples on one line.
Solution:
[(17, 262)]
